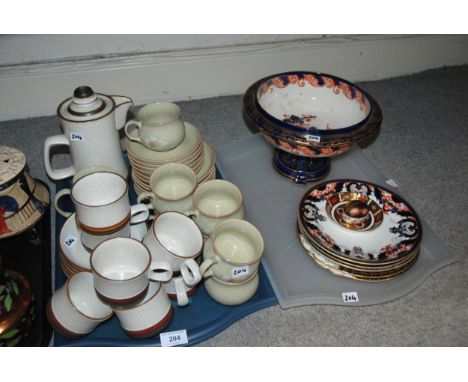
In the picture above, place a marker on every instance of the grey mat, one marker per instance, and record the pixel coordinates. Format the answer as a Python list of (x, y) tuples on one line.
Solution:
[(423, 146), (271, 203)]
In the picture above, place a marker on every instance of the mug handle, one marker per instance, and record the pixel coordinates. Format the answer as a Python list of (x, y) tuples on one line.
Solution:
[(137, 125), (191, 213), (56, 174), (190, 272), (139, 213), (58, 195), (146, 195), (182, 298), (206, 265), (164, 266)]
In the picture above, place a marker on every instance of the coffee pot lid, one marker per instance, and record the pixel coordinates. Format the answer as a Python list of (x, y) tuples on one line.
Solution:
[(12, 163), (85, 105)]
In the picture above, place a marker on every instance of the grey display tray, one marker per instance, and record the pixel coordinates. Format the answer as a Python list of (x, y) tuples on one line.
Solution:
[(271, 204)]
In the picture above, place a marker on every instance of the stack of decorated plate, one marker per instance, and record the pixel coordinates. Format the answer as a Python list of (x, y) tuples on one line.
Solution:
[(359, 230), (193, 151)]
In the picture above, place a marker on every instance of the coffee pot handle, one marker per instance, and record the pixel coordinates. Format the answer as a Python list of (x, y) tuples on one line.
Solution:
[(137, 124), (56, 174)]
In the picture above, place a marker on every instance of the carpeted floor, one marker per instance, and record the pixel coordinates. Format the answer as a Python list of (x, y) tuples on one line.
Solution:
[(423, 147)]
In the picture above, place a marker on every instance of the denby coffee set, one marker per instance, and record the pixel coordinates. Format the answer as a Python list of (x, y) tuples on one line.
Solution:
[(113, 261), (188, 227)]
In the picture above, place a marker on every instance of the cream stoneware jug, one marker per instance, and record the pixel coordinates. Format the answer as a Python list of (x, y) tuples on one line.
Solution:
[(91, 123)]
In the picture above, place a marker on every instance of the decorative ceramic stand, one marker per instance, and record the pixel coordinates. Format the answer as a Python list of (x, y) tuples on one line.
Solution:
[(300, 169)]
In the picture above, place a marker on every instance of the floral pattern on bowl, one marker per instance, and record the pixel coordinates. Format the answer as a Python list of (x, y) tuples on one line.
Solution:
[(313, 101)]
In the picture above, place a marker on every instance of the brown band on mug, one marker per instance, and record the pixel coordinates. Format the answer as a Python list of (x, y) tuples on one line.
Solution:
[(190, 292), (152, 330), (58, 327), (124, 302), (104, 230)]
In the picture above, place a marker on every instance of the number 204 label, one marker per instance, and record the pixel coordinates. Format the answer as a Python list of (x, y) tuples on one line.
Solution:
[(350, 297), (178, 337)]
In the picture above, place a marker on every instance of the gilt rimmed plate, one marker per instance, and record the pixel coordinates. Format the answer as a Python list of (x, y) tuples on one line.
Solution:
[(372, 268), (360, 275), (396, 238)]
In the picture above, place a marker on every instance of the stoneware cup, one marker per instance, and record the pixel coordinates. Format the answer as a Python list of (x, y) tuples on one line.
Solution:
[(233, 251), (214, 201), (175, 238), (122, 268), (149, 316), (172, 186), (101, 202), (232, 293), (135, 228), (75, 310), (160, 126)]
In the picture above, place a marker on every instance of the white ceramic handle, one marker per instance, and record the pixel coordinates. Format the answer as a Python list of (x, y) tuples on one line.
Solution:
[(207, 264), (137, 125), (190, 272), (139, 213), (56, 174), (146, 195), (181, 293), (58, 195), (155, 273)]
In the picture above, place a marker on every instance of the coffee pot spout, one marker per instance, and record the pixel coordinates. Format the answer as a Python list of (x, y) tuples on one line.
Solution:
[(122, 104)]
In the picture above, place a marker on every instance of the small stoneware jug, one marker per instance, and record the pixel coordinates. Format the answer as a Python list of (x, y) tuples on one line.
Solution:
[(90, 123)]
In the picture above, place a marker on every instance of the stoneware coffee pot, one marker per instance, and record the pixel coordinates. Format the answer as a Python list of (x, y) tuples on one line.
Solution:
[(91, 123)]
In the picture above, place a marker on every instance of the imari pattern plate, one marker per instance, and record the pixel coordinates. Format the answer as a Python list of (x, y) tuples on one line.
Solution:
[(396, 236)]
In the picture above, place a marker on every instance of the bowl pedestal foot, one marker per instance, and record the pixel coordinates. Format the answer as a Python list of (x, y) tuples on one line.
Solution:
[(298, 169)]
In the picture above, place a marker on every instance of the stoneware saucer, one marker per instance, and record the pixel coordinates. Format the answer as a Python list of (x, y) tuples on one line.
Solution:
[(76, 256)]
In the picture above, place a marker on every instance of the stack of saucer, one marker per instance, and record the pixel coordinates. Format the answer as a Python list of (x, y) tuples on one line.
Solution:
[(359, 230), (193, 151)]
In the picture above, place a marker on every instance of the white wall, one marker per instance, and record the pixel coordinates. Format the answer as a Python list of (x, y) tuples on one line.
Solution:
[(23, 49), (42, 71)]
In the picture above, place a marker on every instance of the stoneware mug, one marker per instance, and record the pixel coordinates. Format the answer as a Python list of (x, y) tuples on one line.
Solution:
[(149, 316), (233, 251), (135, 228), (101, 203), (122, 268), (175, 238), (172, 186), (214, 201), (75, 310), (159, 127)]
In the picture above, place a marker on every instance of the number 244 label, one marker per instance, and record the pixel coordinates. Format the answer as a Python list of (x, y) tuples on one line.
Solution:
[(350, 297)]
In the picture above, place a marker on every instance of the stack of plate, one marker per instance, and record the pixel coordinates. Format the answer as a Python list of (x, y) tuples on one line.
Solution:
[(193, 152), (359, 230)]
